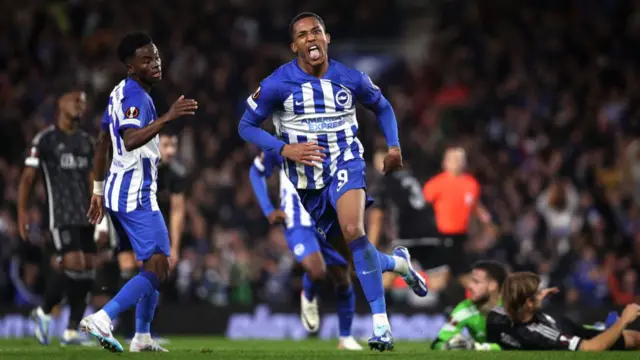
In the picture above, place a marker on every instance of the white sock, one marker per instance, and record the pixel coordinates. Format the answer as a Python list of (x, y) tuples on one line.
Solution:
[(343, 338), (381, 320), (402, 267), (143, 337)]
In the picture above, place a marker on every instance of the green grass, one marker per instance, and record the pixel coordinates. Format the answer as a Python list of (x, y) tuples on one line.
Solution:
[(221, 349)]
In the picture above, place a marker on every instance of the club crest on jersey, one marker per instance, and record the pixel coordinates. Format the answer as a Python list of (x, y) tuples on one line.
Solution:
[(256, 94), (132, 113), (343, 98)]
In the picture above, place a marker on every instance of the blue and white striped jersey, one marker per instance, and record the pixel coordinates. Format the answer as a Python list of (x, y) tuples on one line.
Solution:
[(305, 108), (131, 182), (290, 202)]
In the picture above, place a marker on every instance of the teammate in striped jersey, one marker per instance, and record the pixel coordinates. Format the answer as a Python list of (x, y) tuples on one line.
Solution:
[(312, 103), (131, 126), (309, 247)]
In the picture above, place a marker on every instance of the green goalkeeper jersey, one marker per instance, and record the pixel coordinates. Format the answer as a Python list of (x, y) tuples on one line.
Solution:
[(465, 315)]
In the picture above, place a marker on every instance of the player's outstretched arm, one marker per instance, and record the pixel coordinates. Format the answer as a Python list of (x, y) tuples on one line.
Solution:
[(136, 137), (607, 338)]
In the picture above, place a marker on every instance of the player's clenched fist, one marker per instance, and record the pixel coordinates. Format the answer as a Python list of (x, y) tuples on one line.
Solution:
[(393, 160), (304, 153), (182, 107)]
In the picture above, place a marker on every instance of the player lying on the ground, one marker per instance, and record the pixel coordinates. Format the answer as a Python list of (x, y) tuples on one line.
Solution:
[(520, 325), (311, 101), (486, 281), (314, 251), (129, 192), (64, 153)]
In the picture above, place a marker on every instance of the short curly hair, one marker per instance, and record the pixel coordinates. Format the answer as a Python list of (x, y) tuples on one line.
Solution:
[(130, 43)]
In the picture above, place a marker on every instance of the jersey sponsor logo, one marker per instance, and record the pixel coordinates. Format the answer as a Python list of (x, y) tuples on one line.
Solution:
[(256, 94), (70, 162), (132, 113), (324, 123)]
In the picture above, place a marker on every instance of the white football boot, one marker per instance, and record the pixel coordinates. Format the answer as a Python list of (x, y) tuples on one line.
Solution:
[(99, 327), (309, 313), (349, 343), (144, 343)]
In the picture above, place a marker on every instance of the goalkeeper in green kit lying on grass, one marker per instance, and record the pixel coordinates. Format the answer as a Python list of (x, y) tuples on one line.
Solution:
[(486, 281)]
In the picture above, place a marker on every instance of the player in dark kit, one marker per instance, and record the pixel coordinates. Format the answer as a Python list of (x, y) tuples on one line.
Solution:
[(64, 153), (520, 325), (171, 186), (399, 195)]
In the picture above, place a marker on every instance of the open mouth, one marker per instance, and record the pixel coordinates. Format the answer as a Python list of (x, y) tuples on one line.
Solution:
[(157, 74), (314, 52)]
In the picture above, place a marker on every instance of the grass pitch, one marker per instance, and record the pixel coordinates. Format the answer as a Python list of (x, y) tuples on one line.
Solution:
[(182, 348)]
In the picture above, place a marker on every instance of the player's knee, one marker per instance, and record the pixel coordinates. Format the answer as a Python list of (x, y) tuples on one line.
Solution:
[(352, 231), (317, 273), (158, 264)]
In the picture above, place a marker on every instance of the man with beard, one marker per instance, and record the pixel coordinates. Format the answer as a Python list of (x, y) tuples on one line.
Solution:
[(486, 281)]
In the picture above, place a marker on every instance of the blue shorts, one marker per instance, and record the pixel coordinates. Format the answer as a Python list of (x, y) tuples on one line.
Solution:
[(304, 241), (322, 204), (145, 230), (300, 229)]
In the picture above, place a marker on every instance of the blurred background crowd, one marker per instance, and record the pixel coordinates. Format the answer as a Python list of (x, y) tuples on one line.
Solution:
[(542, 94)]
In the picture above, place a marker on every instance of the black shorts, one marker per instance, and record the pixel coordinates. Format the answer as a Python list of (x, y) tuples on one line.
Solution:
[(439, 252), (74, 238)]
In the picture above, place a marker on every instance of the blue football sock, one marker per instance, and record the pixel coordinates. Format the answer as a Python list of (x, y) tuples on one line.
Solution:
[(367, 265), (387, 262), (309, 287), (346, 304), (145, 310), (139, 286)]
